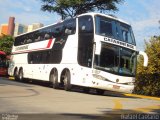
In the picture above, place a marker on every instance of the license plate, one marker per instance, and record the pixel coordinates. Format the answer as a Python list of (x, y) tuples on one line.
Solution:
[(116, 87)]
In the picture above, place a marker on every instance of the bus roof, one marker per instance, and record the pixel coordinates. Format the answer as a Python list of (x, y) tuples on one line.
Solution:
[(105, 15), (90, 13)]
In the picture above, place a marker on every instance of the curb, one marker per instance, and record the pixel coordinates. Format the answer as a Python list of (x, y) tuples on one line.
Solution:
[(143, 96)]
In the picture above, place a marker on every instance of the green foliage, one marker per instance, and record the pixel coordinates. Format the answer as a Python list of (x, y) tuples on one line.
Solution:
[(148, 79), (71, 8), (6, 43)]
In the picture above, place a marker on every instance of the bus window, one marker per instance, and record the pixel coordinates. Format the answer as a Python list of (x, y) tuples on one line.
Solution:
[(127, 34), (85, 24), (70, 27), (104, 26), (57, 31), (46, 36)]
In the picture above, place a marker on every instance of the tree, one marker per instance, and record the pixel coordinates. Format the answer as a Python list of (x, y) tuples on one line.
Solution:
[(6, 43), (71, 8), (148, 79)]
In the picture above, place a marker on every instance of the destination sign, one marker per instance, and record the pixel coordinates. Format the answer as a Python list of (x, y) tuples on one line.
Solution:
[(117, 42)]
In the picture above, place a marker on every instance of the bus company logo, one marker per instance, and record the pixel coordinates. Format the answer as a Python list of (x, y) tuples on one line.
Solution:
[(114, 41), (22, 48)]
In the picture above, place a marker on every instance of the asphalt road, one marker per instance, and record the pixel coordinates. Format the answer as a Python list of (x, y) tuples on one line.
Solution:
[(38, 101)]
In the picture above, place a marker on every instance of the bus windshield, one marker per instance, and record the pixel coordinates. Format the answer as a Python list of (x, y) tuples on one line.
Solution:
[(114, 29), (116, 60)]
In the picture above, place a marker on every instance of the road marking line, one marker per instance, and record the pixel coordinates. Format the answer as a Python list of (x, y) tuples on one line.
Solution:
[(118, 105), (143, 96), (147, 109)]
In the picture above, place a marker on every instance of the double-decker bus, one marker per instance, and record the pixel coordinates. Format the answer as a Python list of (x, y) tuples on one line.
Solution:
[(3, 64), (92, 50)]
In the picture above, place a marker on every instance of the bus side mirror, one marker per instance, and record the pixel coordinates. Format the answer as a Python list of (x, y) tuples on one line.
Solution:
[(145, 64)]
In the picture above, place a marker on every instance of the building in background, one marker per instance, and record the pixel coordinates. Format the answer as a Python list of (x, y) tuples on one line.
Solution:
[(16, 29), (8, 29), (19, 29), (11, 26), (34, 26), (4, 29)]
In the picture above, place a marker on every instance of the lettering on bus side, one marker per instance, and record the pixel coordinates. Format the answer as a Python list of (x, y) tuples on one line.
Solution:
[(117, 42), (22, 48)]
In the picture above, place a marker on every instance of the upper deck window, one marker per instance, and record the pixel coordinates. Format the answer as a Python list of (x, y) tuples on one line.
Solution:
[(104, 27), (114, 29), (127, 34), (85, 24), (50, 32)]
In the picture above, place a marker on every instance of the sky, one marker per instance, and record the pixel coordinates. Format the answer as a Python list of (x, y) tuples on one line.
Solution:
[(143, 15)]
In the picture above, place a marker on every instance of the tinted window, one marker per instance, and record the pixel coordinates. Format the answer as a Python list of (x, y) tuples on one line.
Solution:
[(116, 59), (86, 24), (70, 26), (53, 31), (45, 57), (114, 29), (104, 26), (127, 34)]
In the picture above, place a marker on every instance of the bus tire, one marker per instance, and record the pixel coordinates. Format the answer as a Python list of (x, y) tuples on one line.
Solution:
[(67, 80), (20, 75), (54, 79), (15, 74)]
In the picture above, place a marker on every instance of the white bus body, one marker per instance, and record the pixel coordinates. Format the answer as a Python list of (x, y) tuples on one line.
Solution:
[(92, 50)]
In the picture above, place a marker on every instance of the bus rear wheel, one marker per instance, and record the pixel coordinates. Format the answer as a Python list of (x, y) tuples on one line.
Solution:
[(54, 79), (67, 80)]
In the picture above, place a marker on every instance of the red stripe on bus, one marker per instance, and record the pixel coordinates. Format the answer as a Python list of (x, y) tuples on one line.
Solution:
[(49, 43), (48, 46)]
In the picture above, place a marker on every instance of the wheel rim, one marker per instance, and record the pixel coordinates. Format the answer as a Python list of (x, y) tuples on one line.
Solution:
[(65, 79), (54, 79), (20, 75)]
